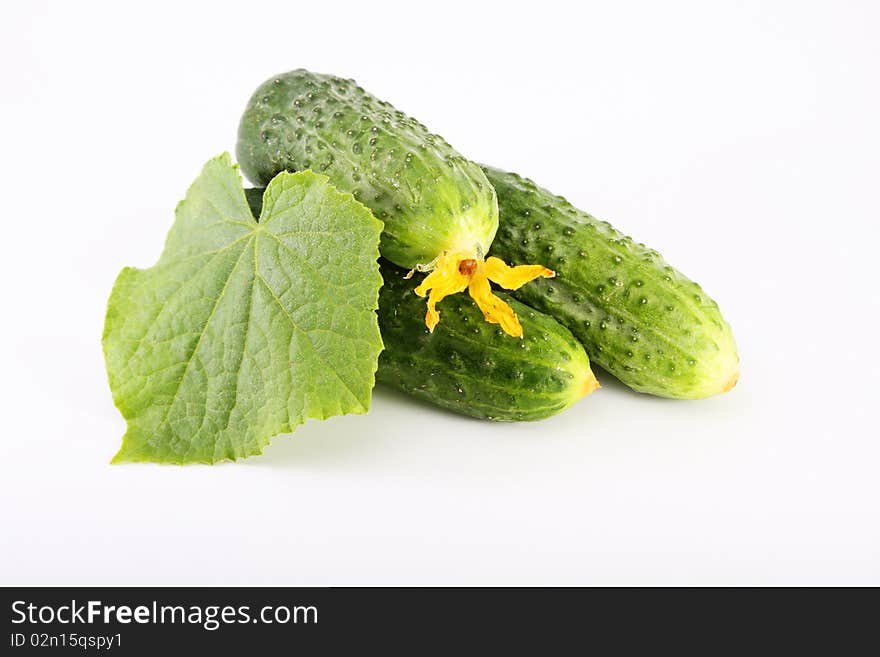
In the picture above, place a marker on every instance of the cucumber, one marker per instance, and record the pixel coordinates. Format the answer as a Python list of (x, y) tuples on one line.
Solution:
[(440, 212), (641, 320), (431, 199), (470, 367)]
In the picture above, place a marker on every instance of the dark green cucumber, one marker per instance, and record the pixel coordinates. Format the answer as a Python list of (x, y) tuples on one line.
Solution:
[(471, 367), (430, 198), (639, 319)]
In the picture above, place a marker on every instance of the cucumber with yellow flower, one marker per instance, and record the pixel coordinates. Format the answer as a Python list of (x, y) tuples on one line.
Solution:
[(440, 211), (470, 367)]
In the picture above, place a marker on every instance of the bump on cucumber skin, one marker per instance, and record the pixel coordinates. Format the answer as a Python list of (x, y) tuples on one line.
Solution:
[(639, 319), (430, 198), (472, 367)]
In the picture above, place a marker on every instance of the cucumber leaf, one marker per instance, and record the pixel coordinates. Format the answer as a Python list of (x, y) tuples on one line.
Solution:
[(243, 329)]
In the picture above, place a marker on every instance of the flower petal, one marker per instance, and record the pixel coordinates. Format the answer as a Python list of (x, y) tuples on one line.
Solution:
[(443, 281), (494, 309), (512, 278)]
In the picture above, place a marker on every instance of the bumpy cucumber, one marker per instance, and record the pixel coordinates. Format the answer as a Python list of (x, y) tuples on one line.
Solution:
[(639, 319), (471, 367), (431, 198)]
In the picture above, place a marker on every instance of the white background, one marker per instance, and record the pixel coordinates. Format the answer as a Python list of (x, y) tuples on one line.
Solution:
[(740, 139)]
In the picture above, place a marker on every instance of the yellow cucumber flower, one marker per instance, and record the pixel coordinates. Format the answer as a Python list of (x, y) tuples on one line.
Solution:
[(454, 272)]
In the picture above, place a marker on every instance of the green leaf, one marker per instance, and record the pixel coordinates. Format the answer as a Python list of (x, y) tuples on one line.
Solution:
[(243, 329)]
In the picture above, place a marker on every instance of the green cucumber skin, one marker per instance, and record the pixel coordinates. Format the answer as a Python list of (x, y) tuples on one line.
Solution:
[(470, 366), (431, 198), (639, 319)]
